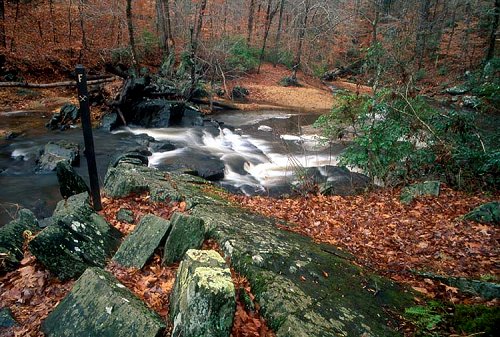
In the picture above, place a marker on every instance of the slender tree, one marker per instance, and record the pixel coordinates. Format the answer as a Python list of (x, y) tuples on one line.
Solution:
[(251, 13), (131, 37), (301, 36), (270, 13), (3, 40), (493, 33)]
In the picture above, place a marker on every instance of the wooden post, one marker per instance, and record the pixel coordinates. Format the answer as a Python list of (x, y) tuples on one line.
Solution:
[(83, 98)]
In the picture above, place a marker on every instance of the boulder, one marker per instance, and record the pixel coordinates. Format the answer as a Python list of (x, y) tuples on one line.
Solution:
[(6, 319), (188, 232), (162, 146), (203, 298), (341, 181), (457, 90), (197, 163), (303, 289), (77, 239), (487, 213), (472, 102), (426, 188), (140, 245), (109, 121), (68, 115), (131, 156), (70, 183), (125, 215), (55, 152), (153, 113), (99, 305), (12, 239), (239, 92)]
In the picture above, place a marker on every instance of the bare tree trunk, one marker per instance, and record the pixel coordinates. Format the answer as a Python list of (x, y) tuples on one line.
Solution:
[(251, 12), (493, 33), (278, 32), (16, 18), (195, 39), (3, 41), (270, 13), (52, 20), (453, 24), (422, 31), (131, 33), (302, 33)]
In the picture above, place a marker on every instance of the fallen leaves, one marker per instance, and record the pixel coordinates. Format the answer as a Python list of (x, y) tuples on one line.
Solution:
[(393, 238)]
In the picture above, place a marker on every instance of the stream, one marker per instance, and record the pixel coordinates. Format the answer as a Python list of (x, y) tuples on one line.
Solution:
[(260, 151)]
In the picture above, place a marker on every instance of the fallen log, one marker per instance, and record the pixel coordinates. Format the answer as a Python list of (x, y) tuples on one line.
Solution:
[(54, 84)]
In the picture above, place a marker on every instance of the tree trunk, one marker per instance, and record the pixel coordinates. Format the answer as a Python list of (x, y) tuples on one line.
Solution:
[(3, 41), (195, 38), (131, 34), (278, 32), (493, 33), (251, 12), (12, 39), (302, 33), (270, 13), (52, 20), (422, 31)]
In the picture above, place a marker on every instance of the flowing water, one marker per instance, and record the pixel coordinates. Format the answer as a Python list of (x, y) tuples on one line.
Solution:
[(260, 152)]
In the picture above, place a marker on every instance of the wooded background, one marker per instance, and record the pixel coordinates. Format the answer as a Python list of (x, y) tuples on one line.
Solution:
[(429, 37)]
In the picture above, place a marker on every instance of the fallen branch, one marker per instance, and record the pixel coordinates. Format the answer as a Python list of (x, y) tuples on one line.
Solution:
[(54, 84)]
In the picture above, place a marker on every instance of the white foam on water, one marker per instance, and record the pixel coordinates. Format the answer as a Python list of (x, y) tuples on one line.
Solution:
[(262, 168)]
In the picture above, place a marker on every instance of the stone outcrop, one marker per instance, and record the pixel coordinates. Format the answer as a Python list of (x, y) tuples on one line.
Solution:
[(188, 232), (12, 239), (303, 288), (125, 215), (426, 188), (486, 213), (99, 305), (68, 115), (203, 298), (140, 245), (55, 152), (70, 183), (77, 239), (6, 319)]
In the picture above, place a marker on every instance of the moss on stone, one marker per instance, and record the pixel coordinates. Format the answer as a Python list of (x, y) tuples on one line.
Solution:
[(188, 232)]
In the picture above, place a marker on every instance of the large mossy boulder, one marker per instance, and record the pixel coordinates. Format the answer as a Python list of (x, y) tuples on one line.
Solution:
[(336, 180), (99, 305), (70, 182), (303, 288), (188, 232), (140, 245), (487, 213), (55, 152), (77, 239), (12, 239), (426, 188), (202, 303)]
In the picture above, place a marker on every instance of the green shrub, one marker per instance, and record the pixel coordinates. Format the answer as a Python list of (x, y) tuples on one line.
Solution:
[(241, 57), (426, 318), (476, 319), (395, 139)]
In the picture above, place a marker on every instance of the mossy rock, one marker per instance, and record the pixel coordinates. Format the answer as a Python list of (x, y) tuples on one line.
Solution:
[(6, 319), (188, 232), (426, 188), (487, 213), (99, 305), (203, 299), (140, 245), (12, 239)]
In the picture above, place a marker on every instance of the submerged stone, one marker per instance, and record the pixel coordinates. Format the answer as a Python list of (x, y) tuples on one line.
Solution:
[(12, 239), (99, 305), (140, 245), (55, 152), (188, 232), (79, 238), (427, 188), (203, 299)]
